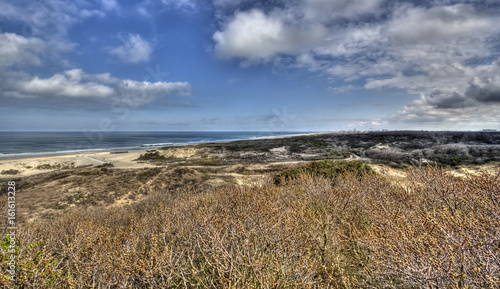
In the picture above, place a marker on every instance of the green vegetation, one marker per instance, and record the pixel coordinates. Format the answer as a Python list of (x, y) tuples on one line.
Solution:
[(319, 143), (328, 169)]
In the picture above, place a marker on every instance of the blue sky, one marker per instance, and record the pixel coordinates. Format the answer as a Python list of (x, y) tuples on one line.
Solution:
[(249, 65)]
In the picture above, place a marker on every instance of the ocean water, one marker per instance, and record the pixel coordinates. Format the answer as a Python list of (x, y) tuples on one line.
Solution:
[(24, 144)]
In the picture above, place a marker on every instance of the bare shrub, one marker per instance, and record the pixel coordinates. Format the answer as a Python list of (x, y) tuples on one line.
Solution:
[(432, 231)]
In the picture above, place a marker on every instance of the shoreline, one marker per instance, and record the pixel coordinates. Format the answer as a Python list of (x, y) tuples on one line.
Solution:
[(90, 151), (69, 154), (395, 149), (119, 158)]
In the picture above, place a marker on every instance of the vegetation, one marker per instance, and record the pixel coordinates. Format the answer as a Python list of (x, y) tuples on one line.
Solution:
[(432, 231), (105, 165), (45, 167), (396, 148), (151, 155), (63, 166), (10, 172), (328, 169)]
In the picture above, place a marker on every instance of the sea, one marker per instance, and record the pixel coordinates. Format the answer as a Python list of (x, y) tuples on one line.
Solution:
[(27, 144)]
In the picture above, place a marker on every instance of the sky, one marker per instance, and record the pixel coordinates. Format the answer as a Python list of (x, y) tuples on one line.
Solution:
[(296, 65)]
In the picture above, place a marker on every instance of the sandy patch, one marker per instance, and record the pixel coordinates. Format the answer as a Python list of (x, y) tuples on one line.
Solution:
[(36, 165), (279, 150), (185, 152), (387, 171)]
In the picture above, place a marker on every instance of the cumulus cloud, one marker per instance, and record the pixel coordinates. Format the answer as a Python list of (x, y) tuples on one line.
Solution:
[(476, 100), (253, 34), (437, 24), (75, 84), (134, 49), (17, 50), (298, 27), (486, 86)]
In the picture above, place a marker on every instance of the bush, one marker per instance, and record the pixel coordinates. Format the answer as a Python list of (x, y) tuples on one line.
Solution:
[(328, 169), (45, 167), (151, 156), (105, 165), (10, 172)]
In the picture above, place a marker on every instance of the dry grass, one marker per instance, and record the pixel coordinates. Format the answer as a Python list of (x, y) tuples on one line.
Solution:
[(432, 231)]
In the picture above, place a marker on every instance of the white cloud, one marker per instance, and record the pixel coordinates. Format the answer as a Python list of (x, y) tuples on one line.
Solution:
[(76, 84), (134, 49), (68, 84), (413, 25), (255, 35), (17, 50)]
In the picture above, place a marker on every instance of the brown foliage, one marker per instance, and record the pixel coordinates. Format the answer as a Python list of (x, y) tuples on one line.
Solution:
[(434, 230)]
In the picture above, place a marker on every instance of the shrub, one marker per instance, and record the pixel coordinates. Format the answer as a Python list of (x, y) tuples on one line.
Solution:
[(151, 156), (45, 167), (106, 165), (432, 231), (10, 172), (327, 168)]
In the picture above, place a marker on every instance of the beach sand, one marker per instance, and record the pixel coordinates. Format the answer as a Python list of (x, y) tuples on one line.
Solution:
[(35, 165)]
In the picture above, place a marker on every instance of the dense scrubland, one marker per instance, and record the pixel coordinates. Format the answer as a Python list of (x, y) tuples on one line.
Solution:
[(318, 225), (396, 149)]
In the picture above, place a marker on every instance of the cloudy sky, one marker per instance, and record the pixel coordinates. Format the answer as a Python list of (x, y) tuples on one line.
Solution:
[(279, 65)]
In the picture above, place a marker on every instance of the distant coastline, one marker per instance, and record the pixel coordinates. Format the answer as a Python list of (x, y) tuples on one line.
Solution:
[(19, 145)]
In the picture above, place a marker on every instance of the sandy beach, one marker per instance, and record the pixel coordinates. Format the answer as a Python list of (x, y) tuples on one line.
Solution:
[(34, 165)]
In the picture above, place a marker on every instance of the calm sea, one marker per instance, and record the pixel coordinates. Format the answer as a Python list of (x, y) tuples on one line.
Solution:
[(21, 144)]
